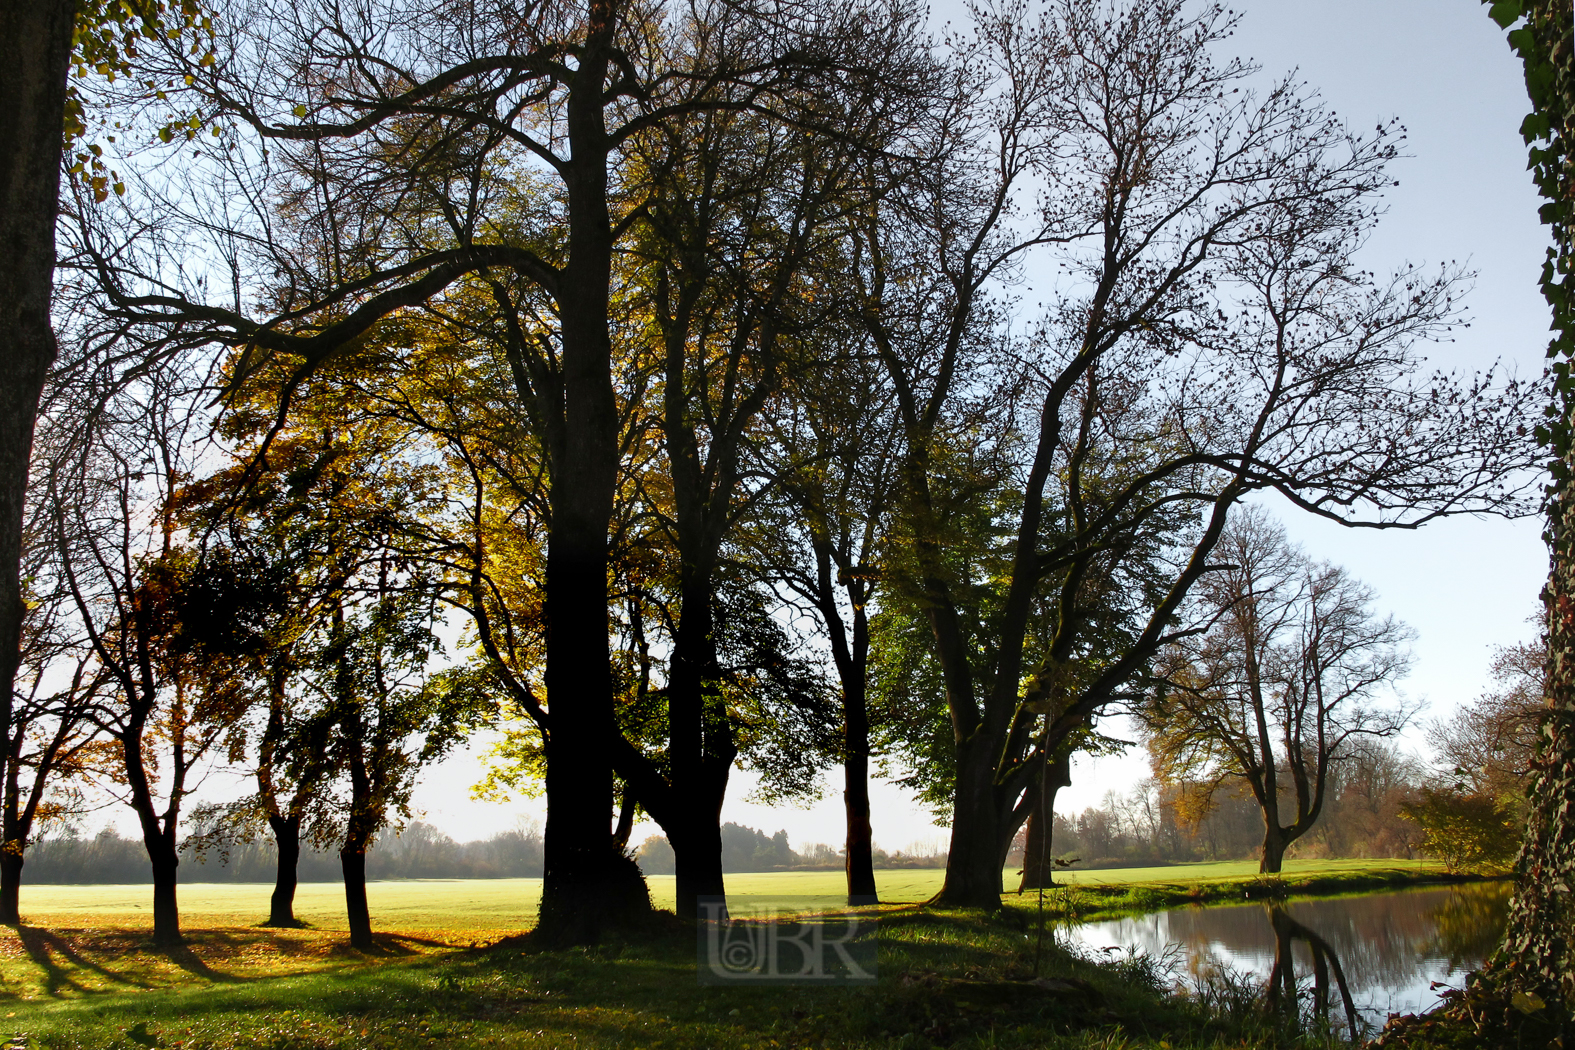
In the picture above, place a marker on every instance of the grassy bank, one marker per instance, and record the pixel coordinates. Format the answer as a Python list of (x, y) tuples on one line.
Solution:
[(1092, 896), (946, 980)]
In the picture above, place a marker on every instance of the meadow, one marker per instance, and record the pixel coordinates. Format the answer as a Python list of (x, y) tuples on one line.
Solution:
[(450, 971)]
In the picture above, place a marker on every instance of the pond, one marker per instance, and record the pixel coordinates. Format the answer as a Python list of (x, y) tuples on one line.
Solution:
[(1352, 960)]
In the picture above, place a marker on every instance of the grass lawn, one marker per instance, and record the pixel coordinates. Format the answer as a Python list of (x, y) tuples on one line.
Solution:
[(80, 973)]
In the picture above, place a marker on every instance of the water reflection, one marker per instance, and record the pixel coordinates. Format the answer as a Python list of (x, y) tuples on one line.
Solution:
[(1358, 958)]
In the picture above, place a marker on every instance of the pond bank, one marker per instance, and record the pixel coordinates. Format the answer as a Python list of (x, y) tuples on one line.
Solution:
[(1085, 901)]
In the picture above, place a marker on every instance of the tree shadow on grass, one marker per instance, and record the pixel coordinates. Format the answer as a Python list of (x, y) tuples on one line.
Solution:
[(46, 948), (390, 946)]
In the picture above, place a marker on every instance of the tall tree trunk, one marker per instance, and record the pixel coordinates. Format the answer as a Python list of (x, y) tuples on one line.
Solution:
[(287, 840), (588, 884), (700, 746), (697, 854), (1038, 861), (1538, 951), (856, 743), (35, 52), (158, 836), (14, 829), (856, 802)]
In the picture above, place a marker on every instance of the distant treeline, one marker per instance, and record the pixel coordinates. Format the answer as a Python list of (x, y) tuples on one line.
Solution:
[(1361, 818), (419, 851), (745, 849)]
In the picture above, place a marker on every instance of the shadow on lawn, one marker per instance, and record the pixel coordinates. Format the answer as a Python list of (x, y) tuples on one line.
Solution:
[(125, 959), (45, 948)]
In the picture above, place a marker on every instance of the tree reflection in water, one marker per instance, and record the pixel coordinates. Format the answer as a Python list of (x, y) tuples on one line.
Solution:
[(1284, 997), (1387, 949)]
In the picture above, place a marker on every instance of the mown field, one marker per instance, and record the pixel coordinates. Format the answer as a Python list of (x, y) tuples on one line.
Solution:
[(79, 972)]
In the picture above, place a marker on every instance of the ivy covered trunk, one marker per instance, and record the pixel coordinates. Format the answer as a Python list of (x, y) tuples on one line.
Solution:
[(1526, 996), (1538, 953)]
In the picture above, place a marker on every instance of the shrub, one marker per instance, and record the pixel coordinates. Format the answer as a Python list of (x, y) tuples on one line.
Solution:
[(1467, 832)]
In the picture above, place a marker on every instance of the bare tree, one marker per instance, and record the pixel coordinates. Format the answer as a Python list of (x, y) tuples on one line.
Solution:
[(125, 439), (1489, 744), (1279, 689), (1212, 336), (49, 744)]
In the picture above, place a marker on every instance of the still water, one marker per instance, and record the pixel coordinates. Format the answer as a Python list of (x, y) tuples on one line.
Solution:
[(1351, 958)]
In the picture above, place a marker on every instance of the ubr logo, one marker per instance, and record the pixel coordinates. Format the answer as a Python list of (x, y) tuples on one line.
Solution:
[(784, 941)]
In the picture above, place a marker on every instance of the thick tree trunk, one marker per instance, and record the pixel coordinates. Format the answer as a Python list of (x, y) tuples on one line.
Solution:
[(1274, 843), (700, 746), (166, 909), (35, 52), (352, 863), (287, 840), (11, 861), (698, 867), (1038, 860), (1539, 940), (973, 862)]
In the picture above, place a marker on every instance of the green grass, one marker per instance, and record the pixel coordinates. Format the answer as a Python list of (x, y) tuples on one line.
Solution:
[(80, 973), (947, 979)]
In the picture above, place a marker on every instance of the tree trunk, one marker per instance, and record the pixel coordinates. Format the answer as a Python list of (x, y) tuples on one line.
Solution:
[(588, 884), (287, 839), (699, 745), (973, 862), (35, 51), (698, 865), (1274, 843), (1539, 939), (1038, 861), (856, 801), (352, 862), (11, 861), (166, 909)]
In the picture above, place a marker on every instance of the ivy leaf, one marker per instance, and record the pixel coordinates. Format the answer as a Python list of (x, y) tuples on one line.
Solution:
[(1506, 13)]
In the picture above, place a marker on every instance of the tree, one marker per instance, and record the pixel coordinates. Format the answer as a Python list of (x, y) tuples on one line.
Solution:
[(834, 453), (1213, 337), (35, 44), (51, 739), (1489, 745), (126, 440), (1468, 831), (1535, 959), (735, 272), (1277, 691), (40, 110)]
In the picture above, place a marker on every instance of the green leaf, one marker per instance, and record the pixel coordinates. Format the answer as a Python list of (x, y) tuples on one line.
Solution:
[(300, 111), (1506, 13)]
